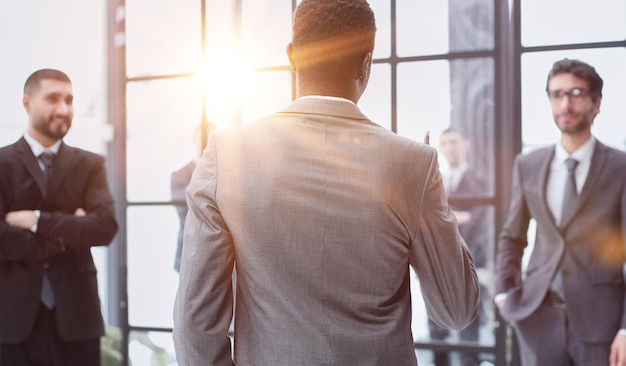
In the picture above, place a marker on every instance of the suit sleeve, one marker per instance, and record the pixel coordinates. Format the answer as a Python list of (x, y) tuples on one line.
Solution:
[(441, 259), (98, 226), (17, 244), (513, 237), (623, 224), (204, 302)]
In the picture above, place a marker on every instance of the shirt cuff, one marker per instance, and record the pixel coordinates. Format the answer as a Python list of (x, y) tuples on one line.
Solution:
[(499, 297), (621, 332), (38, 214)]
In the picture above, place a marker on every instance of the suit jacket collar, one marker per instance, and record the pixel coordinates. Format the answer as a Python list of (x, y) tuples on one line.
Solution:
[(325, 107), (598, 160), (25, 154), (61, 163), (38, 148)]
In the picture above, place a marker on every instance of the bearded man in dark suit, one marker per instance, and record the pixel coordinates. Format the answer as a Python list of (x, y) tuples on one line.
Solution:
[(55, 204)]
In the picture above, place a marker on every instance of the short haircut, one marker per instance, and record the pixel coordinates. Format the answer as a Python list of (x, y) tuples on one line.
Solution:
[(34, 80), (581, 70), (331, 32)]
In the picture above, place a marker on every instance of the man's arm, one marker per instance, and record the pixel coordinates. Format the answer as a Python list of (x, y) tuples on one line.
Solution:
[(442, 261), (98, 224), (513, 239), (204, 303)]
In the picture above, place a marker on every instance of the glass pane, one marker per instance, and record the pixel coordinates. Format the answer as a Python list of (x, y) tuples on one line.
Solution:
[(476, 227), (31, 34), (161, 118), (382, 12), (152, 280), (423, 109), (273, 17), (572, 21), (162, 37), (376, 101), (538, 128), (269, 92), (459, 95), (151, 348), (220, 25), (435, 27)]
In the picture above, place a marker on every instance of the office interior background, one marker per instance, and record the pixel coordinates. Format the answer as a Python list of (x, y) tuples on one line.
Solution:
[(147, 73)]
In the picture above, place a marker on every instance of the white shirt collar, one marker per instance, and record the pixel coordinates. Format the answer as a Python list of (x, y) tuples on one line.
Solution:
[(38, 148), (583, 153), (453, 177), (327, 97)]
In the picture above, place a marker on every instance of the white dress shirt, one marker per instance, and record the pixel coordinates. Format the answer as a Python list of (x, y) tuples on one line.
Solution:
[(558, 174), (452, 178)]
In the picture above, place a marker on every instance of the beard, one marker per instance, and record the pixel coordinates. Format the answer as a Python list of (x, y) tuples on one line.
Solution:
[(54, 127)]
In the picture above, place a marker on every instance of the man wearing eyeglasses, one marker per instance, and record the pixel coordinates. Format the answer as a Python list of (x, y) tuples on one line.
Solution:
[(568, 307)]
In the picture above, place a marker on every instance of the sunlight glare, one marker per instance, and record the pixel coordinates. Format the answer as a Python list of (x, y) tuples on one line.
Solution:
[(226, 79)]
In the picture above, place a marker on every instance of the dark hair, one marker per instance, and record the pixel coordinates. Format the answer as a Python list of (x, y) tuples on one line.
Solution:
[(327, 32), (581, 70), (33, 81)]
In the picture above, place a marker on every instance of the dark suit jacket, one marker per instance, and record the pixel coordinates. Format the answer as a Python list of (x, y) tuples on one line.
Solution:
[(475, 230), (61, 244), (323, 212), (178, 186), (592, 265)]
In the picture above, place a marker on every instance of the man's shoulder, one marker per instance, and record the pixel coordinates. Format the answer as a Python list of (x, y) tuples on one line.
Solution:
[(614, 153), (9, 151), (6, 149), (532, 158), (477, 181), (80, 157), (611, 160), (183, 174), (537, 153), (68, 149)]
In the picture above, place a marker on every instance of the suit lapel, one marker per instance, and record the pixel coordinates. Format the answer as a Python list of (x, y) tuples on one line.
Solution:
[(544, 170), (61, 164), (28, 159), (598, 159)]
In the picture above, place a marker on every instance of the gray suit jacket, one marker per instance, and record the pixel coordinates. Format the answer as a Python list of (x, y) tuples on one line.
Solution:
[(593, 279), (323, 211)]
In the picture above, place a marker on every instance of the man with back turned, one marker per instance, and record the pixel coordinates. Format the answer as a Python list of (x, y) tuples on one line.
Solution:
[(322, 211)]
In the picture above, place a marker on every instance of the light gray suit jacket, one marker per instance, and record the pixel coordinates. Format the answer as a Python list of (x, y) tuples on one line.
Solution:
[(322, 211), (593, 279)]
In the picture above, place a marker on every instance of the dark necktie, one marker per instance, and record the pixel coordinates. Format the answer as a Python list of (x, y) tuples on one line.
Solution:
[(47, 295), (569, 201), (46, 159)]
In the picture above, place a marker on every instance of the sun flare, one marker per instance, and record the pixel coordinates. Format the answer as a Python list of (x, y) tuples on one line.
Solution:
[(226, 78)]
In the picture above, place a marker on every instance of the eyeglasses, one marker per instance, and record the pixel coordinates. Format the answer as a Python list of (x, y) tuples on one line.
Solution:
[(575, 95)]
